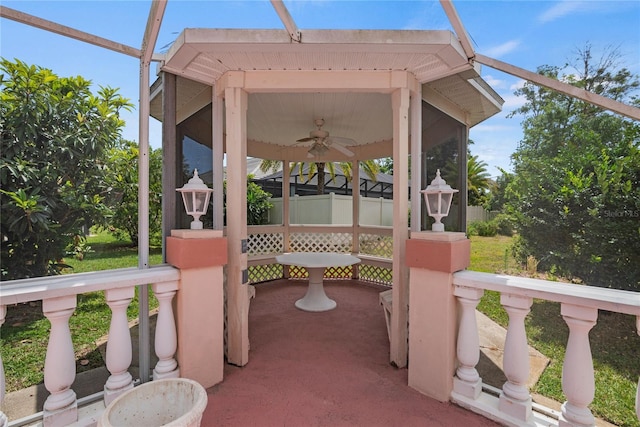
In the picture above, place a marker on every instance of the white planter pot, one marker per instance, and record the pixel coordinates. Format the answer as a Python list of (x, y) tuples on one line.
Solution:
[(169, 402)]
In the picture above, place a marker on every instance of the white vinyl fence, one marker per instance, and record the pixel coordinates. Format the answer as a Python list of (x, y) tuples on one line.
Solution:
[(336, 209), (332, 209), (478, 213)]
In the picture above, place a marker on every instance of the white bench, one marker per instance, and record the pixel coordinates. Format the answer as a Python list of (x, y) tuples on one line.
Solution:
[(386, 301)]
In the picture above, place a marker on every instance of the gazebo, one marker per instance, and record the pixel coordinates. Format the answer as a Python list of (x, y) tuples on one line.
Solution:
[(258, 92)]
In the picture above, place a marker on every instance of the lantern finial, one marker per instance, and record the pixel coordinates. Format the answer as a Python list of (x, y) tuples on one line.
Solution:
[(438, 196), (195, 195)]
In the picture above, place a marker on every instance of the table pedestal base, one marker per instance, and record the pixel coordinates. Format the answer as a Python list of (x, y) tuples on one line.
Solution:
[(315, 299)]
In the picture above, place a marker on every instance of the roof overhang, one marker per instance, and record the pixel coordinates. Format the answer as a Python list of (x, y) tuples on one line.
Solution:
[(281, 114)]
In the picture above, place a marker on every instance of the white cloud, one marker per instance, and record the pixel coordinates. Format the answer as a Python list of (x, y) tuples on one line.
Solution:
[(503, 49), (512, 102), (519, 84), (493, 128), (428, 17), (558, 10), (495, 82)]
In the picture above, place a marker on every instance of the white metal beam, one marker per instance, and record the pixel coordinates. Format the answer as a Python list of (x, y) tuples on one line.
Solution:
[(287, 20), (458, 27), (63, 30), (152, 29), (148, 44), (565, 88)]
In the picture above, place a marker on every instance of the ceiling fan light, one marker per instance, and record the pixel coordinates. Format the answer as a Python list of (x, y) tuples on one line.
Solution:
[(318, 149)]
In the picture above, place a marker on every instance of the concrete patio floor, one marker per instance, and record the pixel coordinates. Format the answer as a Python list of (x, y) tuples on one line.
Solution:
[(323, 369)]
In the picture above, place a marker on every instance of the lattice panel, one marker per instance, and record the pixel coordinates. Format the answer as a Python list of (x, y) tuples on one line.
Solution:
[(321, 242), (296, 272), (375, 274), (265, 244), (345, 272), (262, 273), (376, 245)]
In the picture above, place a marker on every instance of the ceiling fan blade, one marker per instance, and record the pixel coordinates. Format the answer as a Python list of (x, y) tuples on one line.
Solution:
[(343, 150), (342, 140), (307, 139)]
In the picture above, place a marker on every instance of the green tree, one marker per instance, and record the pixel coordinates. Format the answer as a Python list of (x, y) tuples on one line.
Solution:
[(54, 136), (121, 176), (258, 203), (499, 191), (576, 189)]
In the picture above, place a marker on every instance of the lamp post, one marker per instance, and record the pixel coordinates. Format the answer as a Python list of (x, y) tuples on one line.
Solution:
[(438, 196), (195, 196)]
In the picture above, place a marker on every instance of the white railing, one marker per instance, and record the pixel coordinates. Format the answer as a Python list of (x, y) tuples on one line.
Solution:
[(579, 309), (59, 296)]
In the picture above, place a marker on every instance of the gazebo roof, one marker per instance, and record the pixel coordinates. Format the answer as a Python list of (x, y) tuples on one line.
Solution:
[(435, 58)]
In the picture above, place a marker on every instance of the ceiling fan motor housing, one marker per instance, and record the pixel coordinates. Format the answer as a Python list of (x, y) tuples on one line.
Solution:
[(319, 133)]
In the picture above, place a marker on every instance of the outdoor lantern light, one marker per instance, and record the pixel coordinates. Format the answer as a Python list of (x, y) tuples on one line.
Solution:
[(195, 195), (438, 196)]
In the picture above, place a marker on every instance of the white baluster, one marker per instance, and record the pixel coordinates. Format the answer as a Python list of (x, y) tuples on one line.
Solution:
[(577, 372), (166, 341), (61, 407), (638, 388), (3, 418), (515, 399), (467, 382), (119, 345)]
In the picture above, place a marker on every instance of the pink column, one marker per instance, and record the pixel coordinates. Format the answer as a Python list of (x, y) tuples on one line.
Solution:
[(200, 256), (433, 258)]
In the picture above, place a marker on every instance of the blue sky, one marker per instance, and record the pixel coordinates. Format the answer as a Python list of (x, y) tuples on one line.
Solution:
[(523, 33)]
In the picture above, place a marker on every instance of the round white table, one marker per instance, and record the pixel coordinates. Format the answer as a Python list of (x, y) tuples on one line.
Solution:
[(315, 263)]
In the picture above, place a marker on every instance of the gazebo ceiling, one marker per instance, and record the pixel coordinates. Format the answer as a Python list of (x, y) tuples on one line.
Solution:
[(199, 57)]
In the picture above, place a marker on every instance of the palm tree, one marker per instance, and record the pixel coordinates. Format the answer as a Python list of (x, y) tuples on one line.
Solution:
[(478, 181)]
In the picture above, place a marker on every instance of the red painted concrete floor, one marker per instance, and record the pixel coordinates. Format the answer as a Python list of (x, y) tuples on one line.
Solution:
[(322, 369)]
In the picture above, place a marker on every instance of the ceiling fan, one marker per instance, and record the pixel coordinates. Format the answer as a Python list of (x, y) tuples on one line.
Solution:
[(322, 141)]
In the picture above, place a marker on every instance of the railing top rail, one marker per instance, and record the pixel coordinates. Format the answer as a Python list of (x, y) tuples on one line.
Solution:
[(267, 228), (25, 290), (320, 228), (379, 229), (619, 301)]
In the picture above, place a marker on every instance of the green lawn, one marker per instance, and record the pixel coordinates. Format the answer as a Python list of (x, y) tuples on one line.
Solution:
[(615, 345)]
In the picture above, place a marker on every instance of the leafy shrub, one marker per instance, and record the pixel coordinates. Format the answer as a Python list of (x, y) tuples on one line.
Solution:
[(482, 228), (504, 225)]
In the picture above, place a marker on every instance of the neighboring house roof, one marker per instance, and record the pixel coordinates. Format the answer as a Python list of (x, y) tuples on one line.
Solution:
[(382, 186)]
